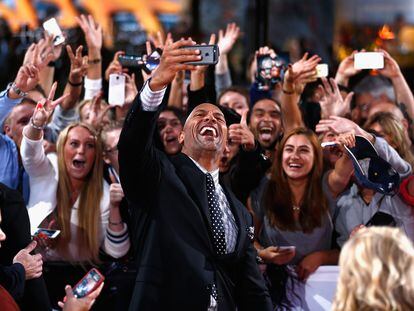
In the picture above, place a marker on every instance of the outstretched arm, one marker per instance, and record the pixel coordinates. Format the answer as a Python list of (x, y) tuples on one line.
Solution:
[(296, 77), (138, 158)]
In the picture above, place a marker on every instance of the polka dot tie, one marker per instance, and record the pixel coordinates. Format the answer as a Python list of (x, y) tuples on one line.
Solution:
[(216, 217)]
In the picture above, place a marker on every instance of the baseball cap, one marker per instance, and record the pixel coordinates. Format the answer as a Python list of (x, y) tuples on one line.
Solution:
[(371, 171)]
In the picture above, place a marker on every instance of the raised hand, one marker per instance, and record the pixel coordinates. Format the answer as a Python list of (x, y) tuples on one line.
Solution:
[(241, 134), (332, 103), (36, 59), (227, 39), (391, 68), (115, 66), (116, 194), (131, 89), (337, 125), (45, 107), (346, 69), (301, 73), (92, 31), (33, 264), (97, 112), (78, 64), (173, 60), (159, 41)]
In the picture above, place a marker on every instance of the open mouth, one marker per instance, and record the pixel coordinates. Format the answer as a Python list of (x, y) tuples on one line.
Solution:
[(79, 164), (295, 165), (208, 131), (171, 139), (266, 133)]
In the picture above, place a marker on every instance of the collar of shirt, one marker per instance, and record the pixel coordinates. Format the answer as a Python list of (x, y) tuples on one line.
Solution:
[(214, 174)]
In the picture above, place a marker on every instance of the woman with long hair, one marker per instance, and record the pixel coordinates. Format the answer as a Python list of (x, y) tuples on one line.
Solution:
[(68, 192), (376, 271), (387, 126)]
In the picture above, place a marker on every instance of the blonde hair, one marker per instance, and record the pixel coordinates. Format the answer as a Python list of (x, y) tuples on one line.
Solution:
[(393, 127), (89, 200), (376, 271)]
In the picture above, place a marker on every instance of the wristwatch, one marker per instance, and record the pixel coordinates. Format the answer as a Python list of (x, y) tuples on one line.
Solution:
[(15, 89)]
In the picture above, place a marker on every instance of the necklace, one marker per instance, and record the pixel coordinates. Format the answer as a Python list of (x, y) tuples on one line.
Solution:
[(296, 208)]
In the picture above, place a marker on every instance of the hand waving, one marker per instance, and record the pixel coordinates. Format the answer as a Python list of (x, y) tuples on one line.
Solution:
[(92, 31), (332, 103), (227, 39)]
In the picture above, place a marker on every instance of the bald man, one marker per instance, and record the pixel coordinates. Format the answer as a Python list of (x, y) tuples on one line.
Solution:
[(195, 238)]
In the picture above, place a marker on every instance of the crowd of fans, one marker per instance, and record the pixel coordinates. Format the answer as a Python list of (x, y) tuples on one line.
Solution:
[(59, 159)]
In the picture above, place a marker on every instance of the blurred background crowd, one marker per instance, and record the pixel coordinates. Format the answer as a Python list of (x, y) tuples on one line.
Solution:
[(59, 135)]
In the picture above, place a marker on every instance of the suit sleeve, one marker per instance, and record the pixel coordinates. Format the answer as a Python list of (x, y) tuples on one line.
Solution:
[(139, 160), (252, 294), (249, 170), (12, 278)]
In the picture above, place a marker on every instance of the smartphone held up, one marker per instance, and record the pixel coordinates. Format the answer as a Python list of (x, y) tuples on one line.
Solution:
[(116, 93), (145, 62), (209, 54), (52, 28), (369, 60)]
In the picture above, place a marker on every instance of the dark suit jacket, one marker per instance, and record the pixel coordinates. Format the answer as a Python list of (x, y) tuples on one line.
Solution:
[(16, 226), (176, 261)]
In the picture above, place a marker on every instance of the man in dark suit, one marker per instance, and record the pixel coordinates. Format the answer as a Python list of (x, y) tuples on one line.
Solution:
[(195, 248)]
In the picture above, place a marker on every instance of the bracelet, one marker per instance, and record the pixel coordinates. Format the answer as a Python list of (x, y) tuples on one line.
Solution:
[(94, 61), (288, 92), (75, 84), (15, 89), (37, 127), (115, 223)]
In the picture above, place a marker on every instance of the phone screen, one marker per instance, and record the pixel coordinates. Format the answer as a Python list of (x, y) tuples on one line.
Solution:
[(369, 60), (153, 61), (88, 283), (51, 234)]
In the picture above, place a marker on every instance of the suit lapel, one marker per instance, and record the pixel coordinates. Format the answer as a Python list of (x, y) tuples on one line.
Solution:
[(195, 182)]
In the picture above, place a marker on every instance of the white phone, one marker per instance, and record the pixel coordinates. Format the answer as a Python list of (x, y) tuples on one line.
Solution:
[(116, 95), (322, 70), (52, 27), (369, 60), (42, 233)]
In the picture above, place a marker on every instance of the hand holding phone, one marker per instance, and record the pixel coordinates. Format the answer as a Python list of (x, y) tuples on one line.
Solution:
[(52, 27), (209, 54), (91, 281)]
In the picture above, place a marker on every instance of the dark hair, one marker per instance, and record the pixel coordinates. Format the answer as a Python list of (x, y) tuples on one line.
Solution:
[(177, 112), (278, 197), (236, 89)]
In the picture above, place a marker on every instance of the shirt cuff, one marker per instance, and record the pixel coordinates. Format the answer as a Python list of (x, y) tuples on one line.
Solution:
[(150, 99), (92, 87)]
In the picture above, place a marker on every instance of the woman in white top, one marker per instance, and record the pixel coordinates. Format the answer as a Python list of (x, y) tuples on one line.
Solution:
[(69, 192)]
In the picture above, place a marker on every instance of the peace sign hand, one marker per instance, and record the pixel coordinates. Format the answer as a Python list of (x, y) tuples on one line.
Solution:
[(78, 64), (45, 107)]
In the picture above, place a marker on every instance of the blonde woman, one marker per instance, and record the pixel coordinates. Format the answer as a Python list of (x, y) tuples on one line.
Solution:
[(388, 126), (376, 271), (68, 192)]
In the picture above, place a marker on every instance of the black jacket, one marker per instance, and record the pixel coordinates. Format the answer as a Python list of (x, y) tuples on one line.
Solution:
[(31, 294), (177, 264)]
